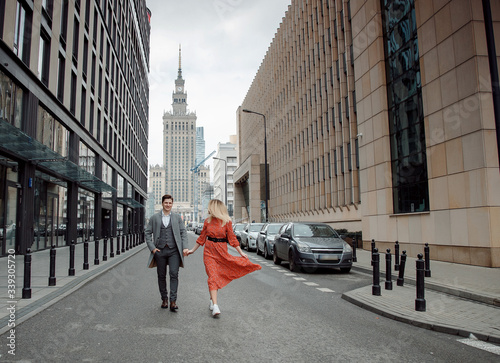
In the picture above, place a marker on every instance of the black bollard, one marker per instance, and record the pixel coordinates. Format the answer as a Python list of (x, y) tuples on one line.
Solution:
[(111, 253), (123, 243), (86, 255), (52, 268), (427, 261), (388, 263), (27, 275), (71, 270), (373, 249), (96, 251), (354, 246), (401, 277), (105, 249), (396, 256), (420, 300), (118, 245), (128, 242), (376, 273)]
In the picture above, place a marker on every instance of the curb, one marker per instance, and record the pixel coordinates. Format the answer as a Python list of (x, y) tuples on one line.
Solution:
[(441, 328)]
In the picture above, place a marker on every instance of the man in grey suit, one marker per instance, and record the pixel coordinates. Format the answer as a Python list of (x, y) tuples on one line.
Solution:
[(167, 240)]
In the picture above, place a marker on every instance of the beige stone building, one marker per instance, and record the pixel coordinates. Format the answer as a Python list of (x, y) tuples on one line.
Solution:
[(380, 118)]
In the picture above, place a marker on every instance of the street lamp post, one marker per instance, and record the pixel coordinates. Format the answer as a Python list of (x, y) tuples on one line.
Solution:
[(265, 162), (225, 179)]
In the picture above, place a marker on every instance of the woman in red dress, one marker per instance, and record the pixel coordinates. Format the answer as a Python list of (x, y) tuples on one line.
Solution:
[(221, 266)]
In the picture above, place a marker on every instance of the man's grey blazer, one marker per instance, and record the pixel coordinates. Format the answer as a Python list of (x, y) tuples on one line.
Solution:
[(152, 233)]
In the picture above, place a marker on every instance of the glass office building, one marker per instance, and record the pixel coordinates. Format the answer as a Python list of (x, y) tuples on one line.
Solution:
[(73, 120)]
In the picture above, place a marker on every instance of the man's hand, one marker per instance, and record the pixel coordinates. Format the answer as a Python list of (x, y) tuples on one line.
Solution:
[(185, 252), (155, 250)]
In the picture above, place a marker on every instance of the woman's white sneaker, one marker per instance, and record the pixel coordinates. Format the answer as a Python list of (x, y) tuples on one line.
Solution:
[(216, 311), (211, 305)]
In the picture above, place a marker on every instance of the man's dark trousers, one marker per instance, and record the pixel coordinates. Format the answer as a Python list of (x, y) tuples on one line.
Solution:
[(168, 256)]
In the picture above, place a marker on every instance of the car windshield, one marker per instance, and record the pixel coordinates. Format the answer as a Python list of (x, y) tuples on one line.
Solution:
[(239, 227), (256, 227), (313, 230), (273, 228)]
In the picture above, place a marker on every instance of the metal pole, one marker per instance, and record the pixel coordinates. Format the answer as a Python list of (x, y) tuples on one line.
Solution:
[(420, 300), (105, 249), (427, 261), (388, 263), (71, 270), (52, 268), (401, 277), (86, 255), (396, 256), (27, 275), (96, 252), (376, 273)]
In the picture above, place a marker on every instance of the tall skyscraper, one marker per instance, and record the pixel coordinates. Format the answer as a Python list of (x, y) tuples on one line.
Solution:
[(179, 148), (200, 144)]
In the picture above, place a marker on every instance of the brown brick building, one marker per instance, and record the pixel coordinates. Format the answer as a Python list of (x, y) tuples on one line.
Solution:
[(380, 118)]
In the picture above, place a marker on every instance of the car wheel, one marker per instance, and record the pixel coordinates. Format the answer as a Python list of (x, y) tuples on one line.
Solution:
[(276, 259), (266, 253), (345, 270), (257, 250), (291, 260)]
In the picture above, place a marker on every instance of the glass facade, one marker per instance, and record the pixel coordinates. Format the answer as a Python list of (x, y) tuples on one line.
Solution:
[(406, 118)]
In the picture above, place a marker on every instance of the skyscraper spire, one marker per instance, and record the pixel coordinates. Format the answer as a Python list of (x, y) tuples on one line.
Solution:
[(179, 74)]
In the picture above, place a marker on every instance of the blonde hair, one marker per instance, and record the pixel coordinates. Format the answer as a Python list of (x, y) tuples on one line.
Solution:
[(217, 209)]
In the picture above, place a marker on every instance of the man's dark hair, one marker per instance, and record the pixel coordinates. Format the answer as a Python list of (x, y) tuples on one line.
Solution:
[(167, 196)]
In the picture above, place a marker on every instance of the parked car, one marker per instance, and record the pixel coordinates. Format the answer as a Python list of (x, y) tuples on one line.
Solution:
[(198, 228), (191, 226), (237, 228), (265, 239), (249, 236), (308, 246)]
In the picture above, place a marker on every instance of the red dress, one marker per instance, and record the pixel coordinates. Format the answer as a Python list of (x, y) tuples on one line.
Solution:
[(220, 265)]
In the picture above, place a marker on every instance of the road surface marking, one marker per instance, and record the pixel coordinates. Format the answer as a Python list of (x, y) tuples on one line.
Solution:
[(324, 289), (474, 342)]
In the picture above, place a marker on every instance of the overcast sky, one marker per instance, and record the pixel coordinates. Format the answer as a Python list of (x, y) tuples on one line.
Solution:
[(223, 44)]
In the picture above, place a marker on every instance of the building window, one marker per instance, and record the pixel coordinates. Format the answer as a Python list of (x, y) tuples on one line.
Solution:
[(76, 35), (60, 77), (406, 117), (22, 33), (83, 106), (72, 101), (47, 6), (11, 102), (51, 133), (64, 23), (44, 58), (85, 57)]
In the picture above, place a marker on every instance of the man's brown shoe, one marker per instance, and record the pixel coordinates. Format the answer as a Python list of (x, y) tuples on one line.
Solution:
[(173, 306), (164, 304)]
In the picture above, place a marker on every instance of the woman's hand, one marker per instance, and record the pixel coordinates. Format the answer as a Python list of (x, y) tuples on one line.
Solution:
[(243, 254)]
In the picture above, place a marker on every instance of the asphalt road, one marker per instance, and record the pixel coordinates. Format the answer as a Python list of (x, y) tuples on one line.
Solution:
[(269, 315)]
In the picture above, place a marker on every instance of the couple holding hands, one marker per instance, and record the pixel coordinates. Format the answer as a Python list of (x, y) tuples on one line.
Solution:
[(167, 240)]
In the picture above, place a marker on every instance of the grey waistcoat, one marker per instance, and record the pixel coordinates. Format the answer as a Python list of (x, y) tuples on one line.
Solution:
[(166, 236)]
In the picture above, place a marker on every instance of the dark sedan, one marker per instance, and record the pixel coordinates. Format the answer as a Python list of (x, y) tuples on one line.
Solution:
[(265, 239), (308, 246)]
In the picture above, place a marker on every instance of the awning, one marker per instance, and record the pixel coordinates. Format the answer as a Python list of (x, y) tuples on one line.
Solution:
[(24, 146), (130, 202)]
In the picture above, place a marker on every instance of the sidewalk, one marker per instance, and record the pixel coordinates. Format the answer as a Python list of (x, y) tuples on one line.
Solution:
[(460, 299), (17, 309)]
